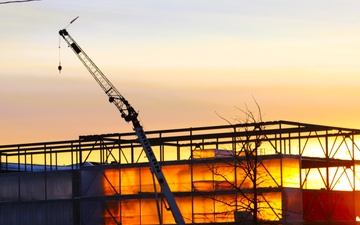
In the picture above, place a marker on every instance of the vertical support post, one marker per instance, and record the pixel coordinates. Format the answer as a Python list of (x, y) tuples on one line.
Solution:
[(132, 153), (51, 163), (18, 158), (280, 138), (178, 155), (25, 160), (45, 157), (327, 161)]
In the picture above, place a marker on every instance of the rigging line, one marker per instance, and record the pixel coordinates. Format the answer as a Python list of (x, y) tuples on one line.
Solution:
[(59, 67)]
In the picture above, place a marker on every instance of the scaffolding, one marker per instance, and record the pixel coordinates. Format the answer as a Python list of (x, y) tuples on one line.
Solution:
[(306, 174)]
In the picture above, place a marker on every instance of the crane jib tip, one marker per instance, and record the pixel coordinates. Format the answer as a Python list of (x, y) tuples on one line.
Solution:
[(72, 21)]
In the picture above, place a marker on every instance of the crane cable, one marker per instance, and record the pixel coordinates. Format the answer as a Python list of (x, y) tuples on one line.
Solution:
[(59, 67)]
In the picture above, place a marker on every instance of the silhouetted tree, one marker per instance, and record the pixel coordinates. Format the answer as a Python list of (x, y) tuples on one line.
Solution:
[(250, 204)]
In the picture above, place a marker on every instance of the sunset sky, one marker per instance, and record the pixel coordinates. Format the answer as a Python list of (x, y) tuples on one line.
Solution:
[(179, 63)]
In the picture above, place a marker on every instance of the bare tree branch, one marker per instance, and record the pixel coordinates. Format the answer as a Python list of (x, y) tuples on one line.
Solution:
[(223, 118), (250, 200)]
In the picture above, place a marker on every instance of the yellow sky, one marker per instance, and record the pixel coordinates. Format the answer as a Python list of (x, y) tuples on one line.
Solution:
[(179, 63)]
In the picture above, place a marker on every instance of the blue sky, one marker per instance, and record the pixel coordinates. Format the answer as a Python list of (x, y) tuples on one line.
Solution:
[(180, 63)]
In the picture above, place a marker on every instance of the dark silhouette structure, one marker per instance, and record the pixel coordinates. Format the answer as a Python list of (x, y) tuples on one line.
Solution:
[(307, 174)]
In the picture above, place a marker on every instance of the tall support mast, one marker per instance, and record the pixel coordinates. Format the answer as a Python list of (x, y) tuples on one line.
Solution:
[(129, 114)]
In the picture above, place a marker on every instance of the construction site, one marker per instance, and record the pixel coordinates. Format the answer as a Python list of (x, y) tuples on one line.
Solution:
[(306, 174), (275, 172)]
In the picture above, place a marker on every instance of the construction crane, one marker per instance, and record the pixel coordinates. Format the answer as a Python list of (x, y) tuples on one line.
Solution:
[(130, 115)]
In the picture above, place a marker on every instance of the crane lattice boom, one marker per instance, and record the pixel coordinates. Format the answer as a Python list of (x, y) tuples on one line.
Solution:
[(129, 114)]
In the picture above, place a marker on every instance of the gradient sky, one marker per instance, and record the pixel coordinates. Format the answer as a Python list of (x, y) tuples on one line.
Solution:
[(179, 63)]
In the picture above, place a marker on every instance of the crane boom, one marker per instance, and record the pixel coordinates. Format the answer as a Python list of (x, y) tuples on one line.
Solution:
[(129, 114)]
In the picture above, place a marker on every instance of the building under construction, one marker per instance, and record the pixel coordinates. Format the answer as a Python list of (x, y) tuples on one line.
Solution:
[(297, 173)]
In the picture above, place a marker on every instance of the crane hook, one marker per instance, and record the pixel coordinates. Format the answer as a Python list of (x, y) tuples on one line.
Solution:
[(59, 67)]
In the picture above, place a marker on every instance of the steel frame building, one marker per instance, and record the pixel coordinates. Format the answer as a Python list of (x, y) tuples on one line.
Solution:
[(308, 174)]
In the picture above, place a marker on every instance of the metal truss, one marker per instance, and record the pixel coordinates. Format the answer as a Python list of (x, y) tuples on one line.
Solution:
[(325, 155)]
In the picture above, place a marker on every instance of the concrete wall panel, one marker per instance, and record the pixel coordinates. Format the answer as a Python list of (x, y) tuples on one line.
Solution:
[(91, 182), (59, 185), (9, 187), (32, 186), (50, 213)]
